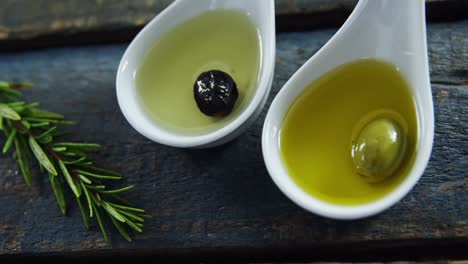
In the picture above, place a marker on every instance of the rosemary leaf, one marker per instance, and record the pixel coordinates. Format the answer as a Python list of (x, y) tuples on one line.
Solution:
[(84, 179), (84, 213), (60, 133), (59, 149), (79, 146), (74, 154), (31, 105), (9, 113), (132, 224), (100, 171), (96, 187), (97, 212), (130, 215), (58, 191), (96, 200), (39, 113), (1, 122), (6, 131), (52, 121), (98, 176), (7, 90), (14, 104), (98, 197), (41, 156), (18, 108), (112, 211), (26, 125), (75, 161), (68, 177), (88, 198), (20, 85), (40, 124), (144, 215), (45, 139), (47, 132), (121, 229), (128, 208), (23, 160), (116, 191), (9, 141)]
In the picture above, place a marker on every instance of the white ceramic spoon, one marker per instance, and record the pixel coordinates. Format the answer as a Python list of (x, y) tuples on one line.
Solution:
[(392, 30), (261, 12)]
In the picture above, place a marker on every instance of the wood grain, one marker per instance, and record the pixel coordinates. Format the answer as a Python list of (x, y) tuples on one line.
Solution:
[(43, 23), (223, 198)]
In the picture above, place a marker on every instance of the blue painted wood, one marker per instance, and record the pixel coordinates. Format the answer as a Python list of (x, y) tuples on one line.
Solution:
[(44, 23), (223, 198)]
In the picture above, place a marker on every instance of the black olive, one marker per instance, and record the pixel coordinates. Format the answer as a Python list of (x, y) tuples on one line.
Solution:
[(215, 93)]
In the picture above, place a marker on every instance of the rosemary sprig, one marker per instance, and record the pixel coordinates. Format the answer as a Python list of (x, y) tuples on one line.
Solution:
[(34, 135)]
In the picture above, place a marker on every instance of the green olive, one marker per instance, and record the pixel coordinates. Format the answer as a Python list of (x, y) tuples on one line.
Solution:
[(378, 150)]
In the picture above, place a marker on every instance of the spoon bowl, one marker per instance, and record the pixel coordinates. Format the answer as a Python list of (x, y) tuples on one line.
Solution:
[(262, 14), (388, 30)]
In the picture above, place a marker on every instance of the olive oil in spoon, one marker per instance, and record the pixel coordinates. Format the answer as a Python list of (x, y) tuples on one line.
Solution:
[(358, 103)]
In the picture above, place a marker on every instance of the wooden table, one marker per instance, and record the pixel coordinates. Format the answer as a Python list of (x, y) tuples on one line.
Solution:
[(220, 204)]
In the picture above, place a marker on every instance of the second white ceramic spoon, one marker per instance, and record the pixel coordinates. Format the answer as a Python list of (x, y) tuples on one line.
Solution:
[(390, 30)]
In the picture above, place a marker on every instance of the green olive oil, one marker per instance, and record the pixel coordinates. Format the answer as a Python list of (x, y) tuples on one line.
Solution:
[(318, 130), (225, 40)]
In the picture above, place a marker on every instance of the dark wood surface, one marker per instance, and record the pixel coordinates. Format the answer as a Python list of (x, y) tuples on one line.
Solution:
[(221, 201), (45, 23)]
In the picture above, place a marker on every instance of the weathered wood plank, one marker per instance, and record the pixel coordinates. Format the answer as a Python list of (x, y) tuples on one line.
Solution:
[(42, 23), (223, 198)]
